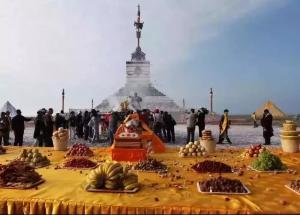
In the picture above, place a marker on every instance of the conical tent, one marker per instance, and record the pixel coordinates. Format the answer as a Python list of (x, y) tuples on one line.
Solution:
[(9, 107), (274, 110)]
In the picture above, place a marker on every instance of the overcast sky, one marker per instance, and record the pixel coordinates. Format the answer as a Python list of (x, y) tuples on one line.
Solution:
[(247, 50)]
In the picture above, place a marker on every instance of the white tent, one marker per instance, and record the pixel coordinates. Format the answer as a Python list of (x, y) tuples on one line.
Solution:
[(9, 107)]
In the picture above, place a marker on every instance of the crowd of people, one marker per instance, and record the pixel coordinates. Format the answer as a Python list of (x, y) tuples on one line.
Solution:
[(88, 125), (195, 119), (16, 124), (198, 119)]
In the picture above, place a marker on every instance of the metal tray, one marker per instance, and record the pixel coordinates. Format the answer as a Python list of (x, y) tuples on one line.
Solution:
[(270, 171), (223, 193), (287, 186), (62, 166), (151, 171), (89, 189), (25, 186)]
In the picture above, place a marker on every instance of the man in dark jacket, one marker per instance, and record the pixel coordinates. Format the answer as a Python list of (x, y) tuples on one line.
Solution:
[(86, 128), (60, 120), (79, 125), (112, 126), (266, 123), (201, 120), (170, 123), (4, 128), (18, 126), (39, 128), (49, 128)]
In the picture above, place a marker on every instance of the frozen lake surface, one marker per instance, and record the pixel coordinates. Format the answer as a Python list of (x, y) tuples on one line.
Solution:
[(240, 135)]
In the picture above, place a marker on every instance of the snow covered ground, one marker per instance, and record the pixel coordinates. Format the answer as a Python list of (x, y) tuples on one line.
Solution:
[(240, 135)]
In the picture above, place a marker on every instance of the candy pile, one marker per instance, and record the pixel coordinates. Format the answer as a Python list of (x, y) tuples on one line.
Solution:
[(79, 162), (18, 173), (221, 184), (211, 167), (151, 164), (192, 150), (79, 149), (253, 151)]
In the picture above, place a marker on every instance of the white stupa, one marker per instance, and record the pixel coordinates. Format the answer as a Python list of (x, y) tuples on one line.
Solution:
[(138, 88)]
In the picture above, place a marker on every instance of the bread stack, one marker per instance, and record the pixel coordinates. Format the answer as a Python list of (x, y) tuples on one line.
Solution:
[(206, 135)]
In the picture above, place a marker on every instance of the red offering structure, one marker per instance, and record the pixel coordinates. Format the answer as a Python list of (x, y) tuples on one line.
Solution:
[(134, 139)]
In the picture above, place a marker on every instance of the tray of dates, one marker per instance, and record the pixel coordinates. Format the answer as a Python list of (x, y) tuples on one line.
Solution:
[(222, 186), (19, 175), (78, 163), (294, 186), (79, 149), (253, 151), (209, 166), (151, 165), (2, 150)]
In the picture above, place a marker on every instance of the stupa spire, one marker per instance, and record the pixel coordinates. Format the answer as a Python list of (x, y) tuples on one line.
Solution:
[(138, 54), (138, 26)]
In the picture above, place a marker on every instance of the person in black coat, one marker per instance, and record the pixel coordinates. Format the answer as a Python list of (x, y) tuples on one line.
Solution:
[(39, 128), (18, 126), (79, 125), (60, 121), (201, 120), (49, 125), (266, 123), (86, 128), (170, 123)]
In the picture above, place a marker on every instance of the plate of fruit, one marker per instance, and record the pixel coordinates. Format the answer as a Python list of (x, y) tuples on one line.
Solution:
[(34, 158), (268, 162), (253, 151), (112, 177)]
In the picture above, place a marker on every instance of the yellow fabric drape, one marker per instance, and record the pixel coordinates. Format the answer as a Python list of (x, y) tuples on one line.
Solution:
[(63, 192), (225, 123)]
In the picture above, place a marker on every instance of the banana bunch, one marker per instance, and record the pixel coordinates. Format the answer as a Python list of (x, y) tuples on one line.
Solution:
[(130, 181), (113, 176)]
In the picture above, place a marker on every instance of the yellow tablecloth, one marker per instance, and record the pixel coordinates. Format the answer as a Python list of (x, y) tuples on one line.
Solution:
[(63, 193)]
